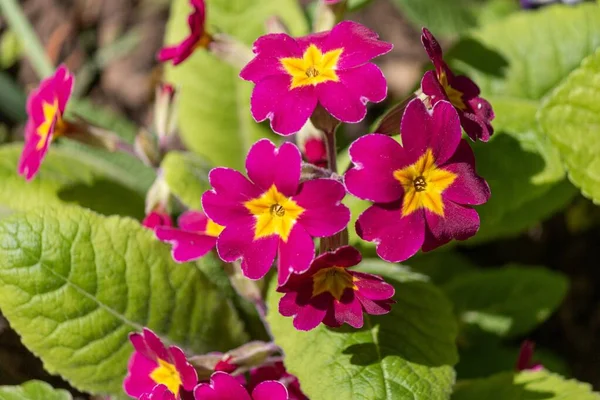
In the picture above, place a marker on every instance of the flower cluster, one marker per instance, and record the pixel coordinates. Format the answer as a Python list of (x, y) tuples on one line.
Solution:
[(423, 187)]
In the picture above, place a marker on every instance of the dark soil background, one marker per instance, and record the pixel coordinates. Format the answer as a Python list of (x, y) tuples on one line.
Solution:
[(111, 45)]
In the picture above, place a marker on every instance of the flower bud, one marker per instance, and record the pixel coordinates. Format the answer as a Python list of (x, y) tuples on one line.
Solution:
[(165, 111)]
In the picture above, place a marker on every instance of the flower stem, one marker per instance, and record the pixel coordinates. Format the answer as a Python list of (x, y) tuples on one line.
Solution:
[(13, 13)]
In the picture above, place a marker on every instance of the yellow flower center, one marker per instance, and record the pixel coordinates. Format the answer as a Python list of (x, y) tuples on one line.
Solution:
[(167, 374), (424, 184), (213, 229), (313, 68), (455, 96), (50, 112), (333, 280), (274, 213)]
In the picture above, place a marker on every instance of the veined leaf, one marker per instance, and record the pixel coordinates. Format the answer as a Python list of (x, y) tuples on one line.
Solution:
[(33, 390)]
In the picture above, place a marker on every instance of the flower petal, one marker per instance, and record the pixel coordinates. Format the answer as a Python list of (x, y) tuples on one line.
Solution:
[(366, 82), (269, 50), (270, 390), (459, 223), (187, 246), (193, 221), (187, 373), (372, 287), (348, 310), (296, 254), (312, 314), (222, 387), (224, 203), (375, 159), (287, 109), (398, 238), (468, 187), (432, 47), (237, 241), (375, 307), (360, 44), (267, 165), (341, 101), (323, 215)]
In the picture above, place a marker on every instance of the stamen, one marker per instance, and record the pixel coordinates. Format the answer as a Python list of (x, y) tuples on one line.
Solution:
[(278, 210), (312, 72), (420, 184)]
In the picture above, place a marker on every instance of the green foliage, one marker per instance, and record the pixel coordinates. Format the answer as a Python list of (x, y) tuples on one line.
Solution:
[(214, 108), (508, 301), (526, 385), (571, 118), (66, 177), (74, 284), (187, 177), (33, 390), (517, 67), (441, 265), (408, 353)]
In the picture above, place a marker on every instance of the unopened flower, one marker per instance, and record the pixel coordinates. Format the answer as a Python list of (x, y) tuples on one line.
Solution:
[(153, 364), (424, 189), (331, 293), (331, 68), (276, 372), (525, 359), (475, 112), (45, 108), (197, 38), (195, 236), (225, 387), (159, 392), (157, 218), (271, 212)]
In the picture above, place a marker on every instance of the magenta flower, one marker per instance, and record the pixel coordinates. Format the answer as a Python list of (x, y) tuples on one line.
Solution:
[(196, 236), (198, 38), (225, 387), (424, 189), (45, 108), (153, 364), (331, 68), (524, 361), (156, 219), (272, 212), (276, 372), (159, 392), (331, 293), (475, 112)]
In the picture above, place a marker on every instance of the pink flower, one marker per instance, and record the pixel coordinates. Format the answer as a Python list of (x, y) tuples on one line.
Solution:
[(153, 364), (197, 38), (45, 108), (272, 212), (276, 372), (195, 237), (156, 219), (159, 392), (331, 68), (331, 293), (475, 112), (225, 387), (424, 189), (524, 361)]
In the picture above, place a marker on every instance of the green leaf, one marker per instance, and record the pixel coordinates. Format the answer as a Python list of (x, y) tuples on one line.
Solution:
[(66, 177), (187, 177), (74, 284), (33, 390), (406, 354), (214, 108), (440, 16), (504, 58), (571, 118), (526, 385), (441, 265), (508, 301)]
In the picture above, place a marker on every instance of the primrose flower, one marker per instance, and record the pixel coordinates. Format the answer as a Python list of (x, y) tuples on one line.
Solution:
[(159, 392), (198, 38), (225, 387), (331, 68), (153, 364), (157, 218), (276, 372), (196, 236), (424, 189), (331, 293), (45, 108), (475, 112), (524, 361), (272, 212)]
